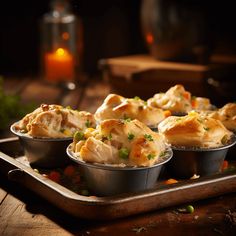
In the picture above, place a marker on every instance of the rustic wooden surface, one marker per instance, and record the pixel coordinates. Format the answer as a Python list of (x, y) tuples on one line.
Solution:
[(25, 213)]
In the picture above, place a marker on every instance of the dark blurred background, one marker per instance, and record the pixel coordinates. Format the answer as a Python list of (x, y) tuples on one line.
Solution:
[(111, 28)]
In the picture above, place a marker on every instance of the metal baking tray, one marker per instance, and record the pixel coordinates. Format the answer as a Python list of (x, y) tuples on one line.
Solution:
[(102, 208)]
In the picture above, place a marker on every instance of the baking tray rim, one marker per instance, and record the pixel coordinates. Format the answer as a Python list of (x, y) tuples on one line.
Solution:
[(19, 167)]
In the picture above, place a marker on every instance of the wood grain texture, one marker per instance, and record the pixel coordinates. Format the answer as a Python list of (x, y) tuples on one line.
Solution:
[(3, 194), (142, 75), (18, 218)]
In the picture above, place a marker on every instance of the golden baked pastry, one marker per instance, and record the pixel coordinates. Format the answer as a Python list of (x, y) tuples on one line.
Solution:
[(120, 142), (227, 115), (55, 121), (194, 130), (118, 107), (201, 103), (176, 99)]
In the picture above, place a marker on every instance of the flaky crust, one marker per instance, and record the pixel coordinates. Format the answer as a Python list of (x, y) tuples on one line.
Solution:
[(194, 130), (118, 107), (227, 115), (105, 144), (55, 121), (201, 103), (176, 99)]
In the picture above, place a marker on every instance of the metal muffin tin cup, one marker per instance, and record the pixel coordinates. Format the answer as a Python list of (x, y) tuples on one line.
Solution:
[(107, 180), (44, 152), (231, 154), (188, 161)]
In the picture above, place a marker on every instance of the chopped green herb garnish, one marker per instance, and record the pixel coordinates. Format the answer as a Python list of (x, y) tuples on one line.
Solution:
[(179, 119), (78, 136), (206, 128), (145, 103), (109, 137), (151, 156), (200, 121), (127, 119), (148, 137), (162, 154), (124, 153), (87, 123), (137, 98), (68, 107), (130, 136)]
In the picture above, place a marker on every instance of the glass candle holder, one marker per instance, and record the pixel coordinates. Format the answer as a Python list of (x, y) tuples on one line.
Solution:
[(60, 56)]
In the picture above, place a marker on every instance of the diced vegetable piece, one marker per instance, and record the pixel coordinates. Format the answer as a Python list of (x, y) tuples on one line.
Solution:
[(190, 209), (78, 136), (225, 165), (167, 113), (69, 171), (54, 176), (171, 181), (124, 153)]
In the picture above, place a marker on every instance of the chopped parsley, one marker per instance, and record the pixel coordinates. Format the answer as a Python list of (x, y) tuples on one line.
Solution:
[(124, 153), (200, 121), (178, 119), (130, 136), (148, 137), (68, 107), (162, 154), (137, 98), (109, 137), (127, 119), (151, 156), (87, 123)]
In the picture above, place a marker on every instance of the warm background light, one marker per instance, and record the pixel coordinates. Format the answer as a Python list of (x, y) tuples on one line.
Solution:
[(65, 36), (149, 38), (59, 65)]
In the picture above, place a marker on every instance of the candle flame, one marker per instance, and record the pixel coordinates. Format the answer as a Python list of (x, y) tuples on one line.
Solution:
[(60, 52)]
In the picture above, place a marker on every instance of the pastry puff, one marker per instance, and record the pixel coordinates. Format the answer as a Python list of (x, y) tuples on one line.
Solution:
[(118, 107), (176, 99), (201, 104), (194, 130), (227, 115), (55, 121), (129, 143)]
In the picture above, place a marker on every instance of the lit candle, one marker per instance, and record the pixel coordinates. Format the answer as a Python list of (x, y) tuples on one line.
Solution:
[(59, 65)]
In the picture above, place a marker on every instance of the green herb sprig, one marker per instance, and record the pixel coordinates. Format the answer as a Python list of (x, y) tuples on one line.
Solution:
[(11, 107)]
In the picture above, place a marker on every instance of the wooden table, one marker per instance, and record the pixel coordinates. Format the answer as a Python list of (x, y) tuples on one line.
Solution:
[(24, 213)]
